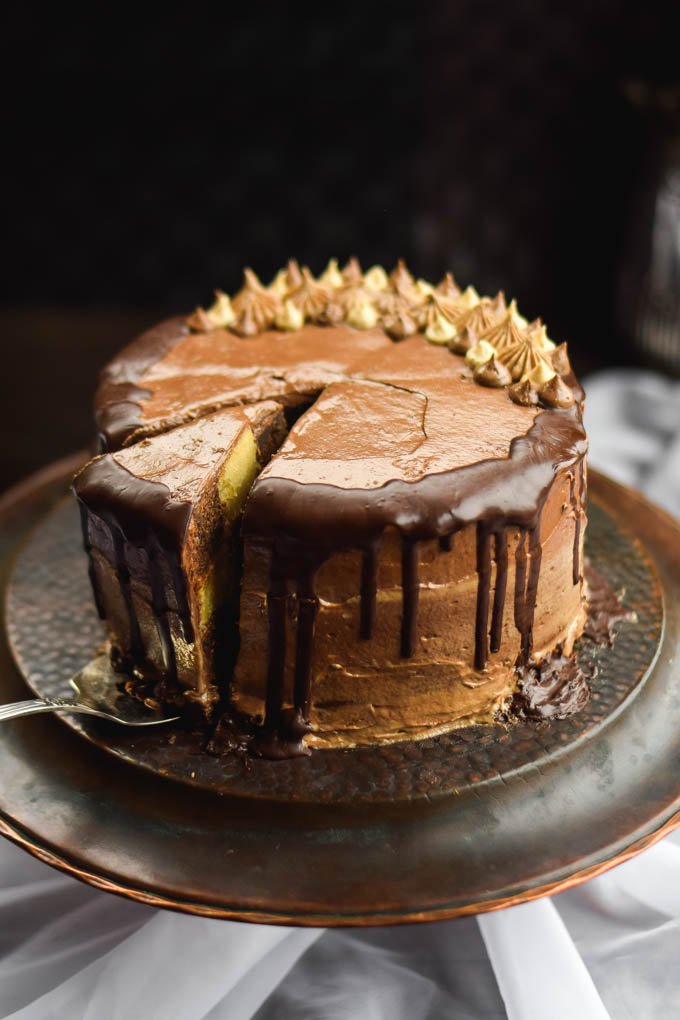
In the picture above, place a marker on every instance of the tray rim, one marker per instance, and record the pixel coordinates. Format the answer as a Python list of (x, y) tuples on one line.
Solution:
[(98, 880), (53, 476)]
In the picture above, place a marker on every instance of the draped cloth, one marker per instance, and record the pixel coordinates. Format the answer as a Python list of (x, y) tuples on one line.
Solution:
[(608, 948)]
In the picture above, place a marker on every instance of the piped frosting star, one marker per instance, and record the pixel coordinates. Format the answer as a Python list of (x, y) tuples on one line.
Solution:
[(309, 296), (351, 271), (520, 347), (397, 314), (331, 276), (433, 308), (448, 287), (402, 282), (286, 279), (376, 278), (220, 315), (476, 319), (255, 307)]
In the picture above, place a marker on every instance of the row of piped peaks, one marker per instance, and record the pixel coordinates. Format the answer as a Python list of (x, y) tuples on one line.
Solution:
[(501, 348)]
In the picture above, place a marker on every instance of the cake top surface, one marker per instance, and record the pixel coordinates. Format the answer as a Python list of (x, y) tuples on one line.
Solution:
[(443, 405), (289, 340), (169, 373), (363, 433), (221, 366), (313, 500)]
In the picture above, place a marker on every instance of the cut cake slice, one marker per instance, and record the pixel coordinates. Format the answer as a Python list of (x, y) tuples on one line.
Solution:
[(161, 524)]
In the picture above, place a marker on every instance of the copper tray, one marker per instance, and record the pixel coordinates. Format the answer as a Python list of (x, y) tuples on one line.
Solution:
[(473, 822)]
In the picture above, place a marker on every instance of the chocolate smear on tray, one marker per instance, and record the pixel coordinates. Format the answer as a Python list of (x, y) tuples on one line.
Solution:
[(558, 687), (554, 689), (233, 734), (605, 610)]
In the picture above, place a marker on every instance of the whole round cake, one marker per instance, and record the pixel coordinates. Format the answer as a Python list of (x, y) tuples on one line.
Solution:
[(340, 511)]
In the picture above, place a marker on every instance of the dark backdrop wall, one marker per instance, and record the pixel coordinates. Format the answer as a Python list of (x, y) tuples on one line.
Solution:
[(147, 162)]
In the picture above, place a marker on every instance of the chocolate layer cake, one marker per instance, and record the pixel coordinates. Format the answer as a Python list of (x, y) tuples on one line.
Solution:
[(412, 545)]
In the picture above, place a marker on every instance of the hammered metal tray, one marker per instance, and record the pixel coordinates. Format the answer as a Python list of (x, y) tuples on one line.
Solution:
[(458, 824), (54, 631)]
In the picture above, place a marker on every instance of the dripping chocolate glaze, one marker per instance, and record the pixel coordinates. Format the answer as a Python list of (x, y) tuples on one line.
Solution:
[(511, 489), (577, 495), (410, 589), (501, 558), (145, 497), (554, 690), (560, 686), (140, 513), (138, 505), (306, 524)]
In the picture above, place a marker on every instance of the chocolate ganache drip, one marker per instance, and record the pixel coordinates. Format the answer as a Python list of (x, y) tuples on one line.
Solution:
[(109, 492), (410, 589), (577, 490), (305, 524), (501, 557), (483, 590)]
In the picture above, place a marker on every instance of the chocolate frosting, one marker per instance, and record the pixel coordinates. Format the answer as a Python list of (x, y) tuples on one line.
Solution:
[(153, 486), (135, 511), (554, 690), (401, 439), (332, 517), (138, 504), (559, 687), (170, 375), (119, 397)]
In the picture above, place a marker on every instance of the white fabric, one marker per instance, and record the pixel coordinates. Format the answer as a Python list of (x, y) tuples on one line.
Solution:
[(633, 422), (607, 949), (535, 931)]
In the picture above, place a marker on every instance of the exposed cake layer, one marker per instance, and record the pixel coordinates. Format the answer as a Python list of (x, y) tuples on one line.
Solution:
[(169, 375), (160, 521), (373, 485)]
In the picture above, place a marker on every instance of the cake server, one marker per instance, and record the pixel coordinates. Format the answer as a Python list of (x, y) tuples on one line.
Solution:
[(94, 694)]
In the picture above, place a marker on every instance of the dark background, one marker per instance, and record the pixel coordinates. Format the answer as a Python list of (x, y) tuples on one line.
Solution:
[(146, 162)]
